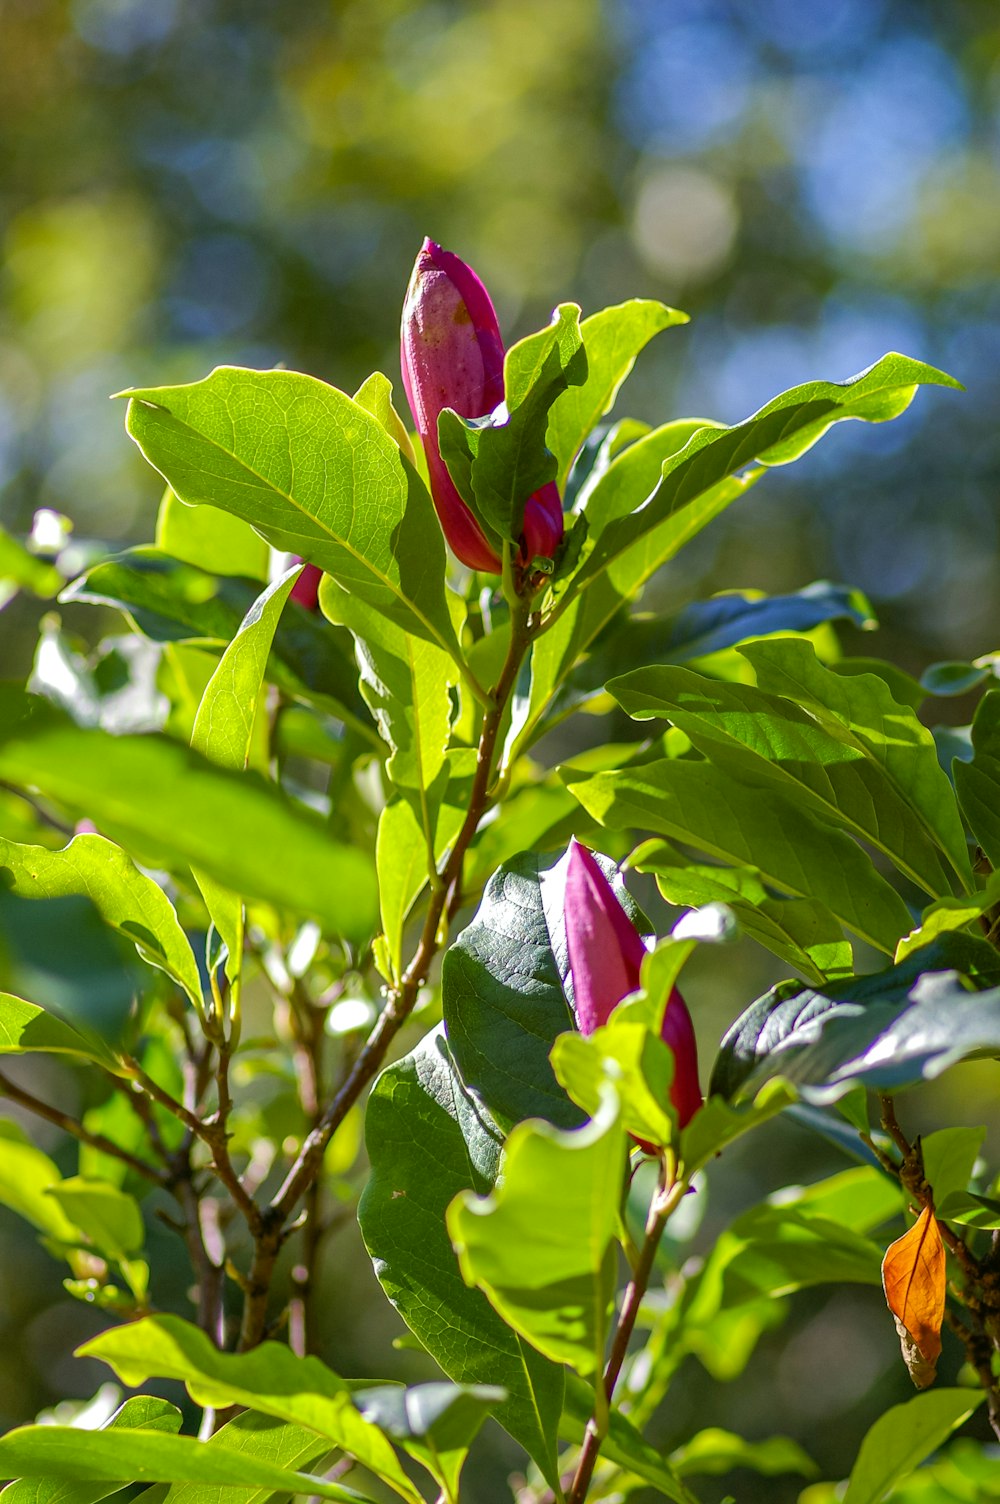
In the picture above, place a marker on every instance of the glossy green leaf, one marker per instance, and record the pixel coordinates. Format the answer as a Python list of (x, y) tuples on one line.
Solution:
[(171, 601), (953, 678), (780, 432), (223, 732), (774, 1250), (311, 470), (886, 1030), (541, 1246), (428, 1140), (150, 789), (902, 1437), (435, 1423), (800, 931), (612, 339), (503, 989), (64, 1452), (256, 1436), (858, 760), (715, 1451), (25, 1029), (499, 461), (143, 1412), (271, 1378), (700, 804), (210, 539), (126, 899)]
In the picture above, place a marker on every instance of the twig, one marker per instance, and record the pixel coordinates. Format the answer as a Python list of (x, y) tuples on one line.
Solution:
[(665, 1201), (402, 997), (73, 1126)]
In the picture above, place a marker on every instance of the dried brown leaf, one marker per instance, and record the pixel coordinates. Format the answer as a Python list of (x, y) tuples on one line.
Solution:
[(914, 1281)]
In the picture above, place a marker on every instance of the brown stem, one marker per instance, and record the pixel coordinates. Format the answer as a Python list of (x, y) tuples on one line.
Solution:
[(401, 1001), (73, 1126), (664, 1202)]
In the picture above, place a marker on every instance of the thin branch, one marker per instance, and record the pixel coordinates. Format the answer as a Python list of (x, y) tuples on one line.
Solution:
[(444, 898), (73, 1126), (665, 1201)]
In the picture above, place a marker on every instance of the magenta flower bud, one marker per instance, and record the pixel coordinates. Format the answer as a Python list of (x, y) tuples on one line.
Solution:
[(306, 587), (605, 960), (452, 356)]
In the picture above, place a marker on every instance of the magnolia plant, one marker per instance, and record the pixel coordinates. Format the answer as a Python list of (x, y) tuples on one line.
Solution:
[(286, 851)]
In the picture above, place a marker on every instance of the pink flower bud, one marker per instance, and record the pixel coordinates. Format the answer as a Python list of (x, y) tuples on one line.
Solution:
[(452, 356), (306, 587), (605, 959)]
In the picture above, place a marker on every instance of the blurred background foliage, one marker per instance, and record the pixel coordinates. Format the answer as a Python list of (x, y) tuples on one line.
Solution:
[(185, 183)]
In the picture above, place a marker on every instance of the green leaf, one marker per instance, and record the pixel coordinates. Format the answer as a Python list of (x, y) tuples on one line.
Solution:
[(406, 682), (26, 1177), (256, 1436), (375, 396), (223, 732), (126, 899), (21, 570), (311, 470), (862, 708), (60, 952), (143, 1412), (950, 914), (624, 1445), (612, 339), (541, 1246), (210, 539), (635, 1059), (887, 1030), (774, 1250), (503, 994), (902, 1437), (800, 931), (699, 803), (969, 1209), (25, 1029), (435, 1423), (716, 1451), (270, 1378), (428, 1139), (176, 602), (402, 860), (780, 432), (953, 678), (75, 1456), (107, 1217), (842, 747), (501, 460), (978, 782), (717, 1123), (152, 790), (949, 1157)]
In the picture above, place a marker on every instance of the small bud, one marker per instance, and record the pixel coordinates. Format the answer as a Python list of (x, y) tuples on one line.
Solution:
[(306, 587), (452, 356), (605, 960)]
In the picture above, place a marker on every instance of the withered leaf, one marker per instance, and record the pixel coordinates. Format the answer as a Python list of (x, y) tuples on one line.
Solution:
[(913, 1278)]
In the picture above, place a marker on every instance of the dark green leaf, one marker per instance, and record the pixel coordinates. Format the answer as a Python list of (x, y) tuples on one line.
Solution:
[(177, 602), (435, 1423), (953, 678), (887, 1030), (153, 790), (311, 470), (624, 1445), (428, 1140)]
